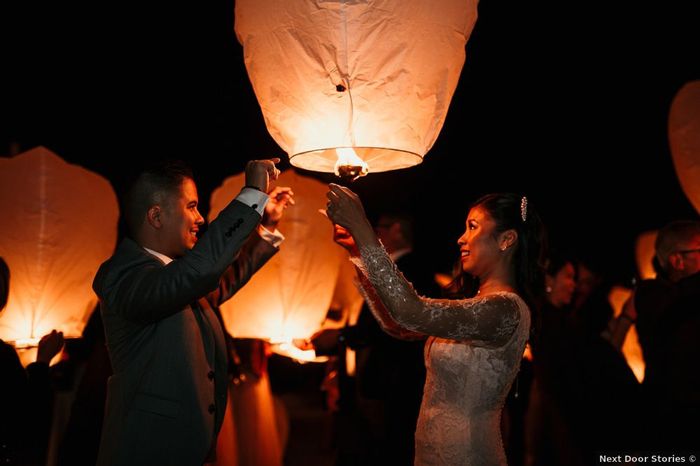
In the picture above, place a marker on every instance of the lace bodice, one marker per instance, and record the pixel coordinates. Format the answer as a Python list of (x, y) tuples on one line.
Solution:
[(471, 359)]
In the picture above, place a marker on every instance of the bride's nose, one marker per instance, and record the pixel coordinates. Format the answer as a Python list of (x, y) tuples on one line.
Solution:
[(462, 239)]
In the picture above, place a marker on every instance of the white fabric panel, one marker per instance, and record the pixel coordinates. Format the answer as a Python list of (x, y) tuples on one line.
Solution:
[(59, 223)]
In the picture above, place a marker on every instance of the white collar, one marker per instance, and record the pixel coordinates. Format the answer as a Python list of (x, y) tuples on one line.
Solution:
[(166, 260)]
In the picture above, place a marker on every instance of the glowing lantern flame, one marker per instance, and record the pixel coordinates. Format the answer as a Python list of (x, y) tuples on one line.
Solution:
[(290, 350), (349, 166)]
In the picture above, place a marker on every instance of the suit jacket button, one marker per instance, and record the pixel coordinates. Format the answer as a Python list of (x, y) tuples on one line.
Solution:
[(229, 232), (212, 408), (211, 375)]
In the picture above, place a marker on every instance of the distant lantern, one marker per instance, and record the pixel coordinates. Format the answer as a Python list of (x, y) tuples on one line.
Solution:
[(631, 349), (59, 222), (644, 254), (684, 136), (290, 296), (370, 82)]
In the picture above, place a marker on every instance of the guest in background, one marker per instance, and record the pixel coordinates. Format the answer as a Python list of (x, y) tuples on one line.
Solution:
[(668, 325)]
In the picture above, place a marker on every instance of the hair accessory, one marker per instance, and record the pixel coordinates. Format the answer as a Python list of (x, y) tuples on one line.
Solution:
[(523, 208)]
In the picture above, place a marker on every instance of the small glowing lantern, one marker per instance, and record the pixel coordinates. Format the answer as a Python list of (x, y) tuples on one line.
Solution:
[(59, 225), (289, 297), (375, 78), (631, 349), (684, 136), (644, 253)]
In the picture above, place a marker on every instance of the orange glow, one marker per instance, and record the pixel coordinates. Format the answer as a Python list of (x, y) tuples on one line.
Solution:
[(331, 77), (27, 355), (64, 225), (24, 343), (443, 279), (260, 422), (644, 253), (290, 296), (684, 138), (631, 349), (290, 350), (349, 164)]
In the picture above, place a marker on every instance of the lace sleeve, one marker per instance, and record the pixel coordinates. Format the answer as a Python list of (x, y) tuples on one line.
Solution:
[(491, 319), (386, 322)]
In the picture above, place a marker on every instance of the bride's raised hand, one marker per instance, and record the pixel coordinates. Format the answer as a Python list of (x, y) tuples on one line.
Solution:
[(344, 208)]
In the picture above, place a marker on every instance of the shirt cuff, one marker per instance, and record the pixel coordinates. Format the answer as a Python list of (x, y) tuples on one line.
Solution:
[(275, 238), (254, 199)]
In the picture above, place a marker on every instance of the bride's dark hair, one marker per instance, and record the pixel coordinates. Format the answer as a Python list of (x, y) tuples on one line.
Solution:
[(509, 211)]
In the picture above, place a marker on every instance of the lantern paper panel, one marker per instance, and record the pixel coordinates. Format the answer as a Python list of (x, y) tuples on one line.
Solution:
[(261, 422), (289, 297), (59, 225), (376, 75), (631, 349), (684, 137), (255, 427), (346, 296), (644, 254)]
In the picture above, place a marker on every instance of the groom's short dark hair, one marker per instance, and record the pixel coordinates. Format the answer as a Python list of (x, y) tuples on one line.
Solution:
[(153, 185)]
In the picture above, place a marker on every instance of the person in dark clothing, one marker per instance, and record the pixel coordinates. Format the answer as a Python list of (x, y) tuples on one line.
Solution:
[(668, 325), (549, 421), (603, 389), (82, 435)]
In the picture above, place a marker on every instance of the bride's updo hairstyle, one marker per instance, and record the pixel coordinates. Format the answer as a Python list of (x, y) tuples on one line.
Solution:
[(511, 211)]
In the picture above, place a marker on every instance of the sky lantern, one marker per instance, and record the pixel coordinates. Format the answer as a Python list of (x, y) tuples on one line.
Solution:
[(290, 296), (59, 225), (351, 87), (644, 254), (684, 137), (631, 349)]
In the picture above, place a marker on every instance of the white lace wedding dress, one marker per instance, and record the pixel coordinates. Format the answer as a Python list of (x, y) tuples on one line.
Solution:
[(471, 359)]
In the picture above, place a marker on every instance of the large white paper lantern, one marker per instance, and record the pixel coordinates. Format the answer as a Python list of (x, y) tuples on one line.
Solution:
[(289, 297), (684, 136), (59, 223), (376, 76)]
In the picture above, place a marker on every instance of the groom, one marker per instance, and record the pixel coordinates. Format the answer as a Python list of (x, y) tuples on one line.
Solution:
[(159, 296)]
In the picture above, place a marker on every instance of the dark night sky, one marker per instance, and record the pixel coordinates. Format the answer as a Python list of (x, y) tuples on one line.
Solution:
[(566, 102)]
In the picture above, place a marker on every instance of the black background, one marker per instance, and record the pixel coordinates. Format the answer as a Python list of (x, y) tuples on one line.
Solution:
[(564, 101)]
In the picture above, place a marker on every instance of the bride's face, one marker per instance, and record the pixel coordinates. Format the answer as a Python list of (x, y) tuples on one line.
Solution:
[(478, 245)]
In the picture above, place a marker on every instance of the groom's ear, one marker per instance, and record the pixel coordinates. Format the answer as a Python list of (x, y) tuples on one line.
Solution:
[(153, 216)]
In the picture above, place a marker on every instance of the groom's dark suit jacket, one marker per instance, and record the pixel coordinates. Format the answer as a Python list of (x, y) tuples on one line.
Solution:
[(166, 399)]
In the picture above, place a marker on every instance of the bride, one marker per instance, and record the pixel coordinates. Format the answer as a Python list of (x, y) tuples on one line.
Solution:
[(476, 344)]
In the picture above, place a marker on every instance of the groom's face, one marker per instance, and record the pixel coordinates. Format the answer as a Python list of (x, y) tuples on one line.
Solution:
[(181, 220)]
